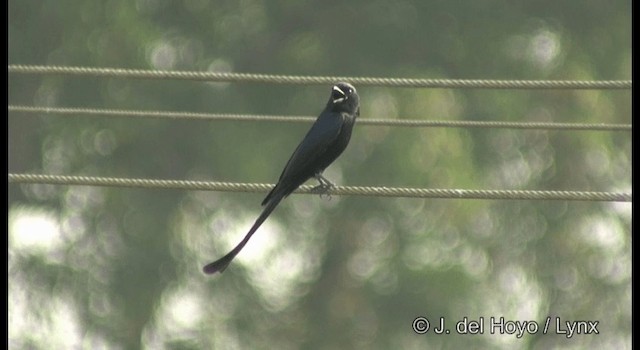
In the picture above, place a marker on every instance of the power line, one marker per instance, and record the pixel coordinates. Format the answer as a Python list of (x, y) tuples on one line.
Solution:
[(308, 80), (338, 190), (281, 118)]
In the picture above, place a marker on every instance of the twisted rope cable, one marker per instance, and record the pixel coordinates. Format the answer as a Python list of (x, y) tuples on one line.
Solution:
[(315, 80), (338, 190), (304, 119)]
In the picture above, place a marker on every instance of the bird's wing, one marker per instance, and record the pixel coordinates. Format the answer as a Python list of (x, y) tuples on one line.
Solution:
[(320, 137)]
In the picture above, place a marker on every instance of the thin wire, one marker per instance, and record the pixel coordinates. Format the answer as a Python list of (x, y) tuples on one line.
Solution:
[(281, 118), (308, 80), (338, 190)]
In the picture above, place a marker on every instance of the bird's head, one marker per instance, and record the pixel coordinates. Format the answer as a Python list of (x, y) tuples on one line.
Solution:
[(344, 98)]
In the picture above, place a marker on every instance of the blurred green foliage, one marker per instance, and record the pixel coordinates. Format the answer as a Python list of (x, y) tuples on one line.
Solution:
[(120, 268)]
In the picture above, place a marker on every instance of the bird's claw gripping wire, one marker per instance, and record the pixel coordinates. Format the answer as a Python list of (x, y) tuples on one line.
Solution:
[(324, 187)]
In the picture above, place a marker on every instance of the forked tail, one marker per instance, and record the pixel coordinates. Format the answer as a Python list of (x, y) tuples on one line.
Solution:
[(222, 263)]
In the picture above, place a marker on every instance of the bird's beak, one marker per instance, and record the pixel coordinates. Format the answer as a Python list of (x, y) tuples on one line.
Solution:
[(340, 99)]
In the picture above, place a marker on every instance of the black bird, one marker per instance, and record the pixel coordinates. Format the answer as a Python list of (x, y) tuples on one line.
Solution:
[(324, 142)]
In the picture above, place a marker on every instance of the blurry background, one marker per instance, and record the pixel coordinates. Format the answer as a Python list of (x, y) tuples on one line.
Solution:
[(93, 267)]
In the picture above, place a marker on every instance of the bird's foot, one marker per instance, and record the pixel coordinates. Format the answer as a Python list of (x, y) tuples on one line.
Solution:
[(324, 187), (322, 190)]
